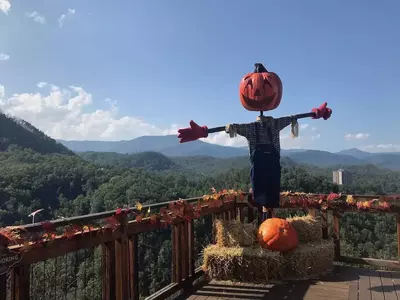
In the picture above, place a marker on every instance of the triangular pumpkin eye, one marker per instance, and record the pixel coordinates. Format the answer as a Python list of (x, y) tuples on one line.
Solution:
[(250, 82), (266, 81)]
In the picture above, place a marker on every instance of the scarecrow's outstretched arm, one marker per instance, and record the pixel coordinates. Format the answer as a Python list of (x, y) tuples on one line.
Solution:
[(294, 117), (195, 131)]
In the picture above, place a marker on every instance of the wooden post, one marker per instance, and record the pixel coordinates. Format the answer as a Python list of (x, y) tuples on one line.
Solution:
[(213, 218), (20, 283), (3, 287), (398, 236), (184, 249), (176, 254), (240, 213), (108, 270), (133, 267), (250, 214), (191, 248), (336, 231), (312, 212), (121, 263), (324, 224)]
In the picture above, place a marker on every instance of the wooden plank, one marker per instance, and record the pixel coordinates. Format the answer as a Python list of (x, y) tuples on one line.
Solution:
[(37, 227), (379, 263), (133, 267), (61, 245), (350, 274), (396, 283), (324, 291), (364, 285), (175, 287), (108, 270), (388, 286), (376, 286)]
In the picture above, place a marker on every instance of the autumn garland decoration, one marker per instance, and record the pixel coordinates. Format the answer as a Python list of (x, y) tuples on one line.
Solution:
[(335, 201), (181, 210)]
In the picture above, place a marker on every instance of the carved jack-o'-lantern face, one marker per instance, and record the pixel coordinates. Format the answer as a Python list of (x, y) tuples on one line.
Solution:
[(260, 90)]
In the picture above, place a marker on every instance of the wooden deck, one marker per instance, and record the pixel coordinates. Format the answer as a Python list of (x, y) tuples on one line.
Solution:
[(345, 283)]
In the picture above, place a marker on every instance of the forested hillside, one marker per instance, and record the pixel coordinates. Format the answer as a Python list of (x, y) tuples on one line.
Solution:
[(20, 133), (367, 179)]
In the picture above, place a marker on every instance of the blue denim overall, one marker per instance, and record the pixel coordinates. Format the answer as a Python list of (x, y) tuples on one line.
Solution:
[(265, 173)]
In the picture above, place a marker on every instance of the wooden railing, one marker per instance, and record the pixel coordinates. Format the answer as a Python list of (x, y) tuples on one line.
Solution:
[(119, 271)]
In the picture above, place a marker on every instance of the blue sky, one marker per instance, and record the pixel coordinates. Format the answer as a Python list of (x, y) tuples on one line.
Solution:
[(147, 67)]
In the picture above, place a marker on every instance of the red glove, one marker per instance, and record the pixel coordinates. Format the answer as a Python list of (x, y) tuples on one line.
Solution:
[(192, 133), (322, 112)]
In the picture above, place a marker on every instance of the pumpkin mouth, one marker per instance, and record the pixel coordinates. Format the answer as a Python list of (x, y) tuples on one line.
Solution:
[(258, 103)]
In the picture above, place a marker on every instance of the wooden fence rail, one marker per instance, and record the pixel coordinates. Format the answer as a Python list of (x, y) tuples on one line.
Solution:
[(119, 248)]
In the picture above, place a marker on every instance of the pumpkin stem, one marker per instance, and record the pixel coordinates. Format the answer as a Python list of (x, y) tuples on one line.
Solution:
[(259, 68)]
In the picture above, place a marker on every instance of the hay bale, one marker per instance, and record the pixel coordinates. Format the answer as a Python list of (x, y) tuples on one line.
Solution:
[(246, 264), (234, 233), (309, 261), (308, 228), (254, 264)]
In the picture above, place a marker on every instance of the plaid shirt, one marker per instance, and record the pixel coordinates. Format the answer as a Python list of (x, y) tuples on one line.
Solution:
[(248, 131)]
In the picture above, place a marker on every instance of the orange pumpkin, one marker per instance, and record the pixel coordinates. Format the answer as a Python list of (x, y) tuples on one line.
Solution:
[(260, 90), (277, 235)]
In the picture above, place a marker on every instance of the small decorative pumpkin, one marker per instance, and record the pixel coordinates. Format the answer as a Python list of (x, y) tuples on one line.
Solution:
[(277, 235), (260, 90)]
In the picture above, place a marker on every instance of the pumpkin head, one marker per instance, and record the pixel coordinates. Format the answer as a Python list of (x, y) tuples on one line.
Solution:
[(260, 90), (277, 235)]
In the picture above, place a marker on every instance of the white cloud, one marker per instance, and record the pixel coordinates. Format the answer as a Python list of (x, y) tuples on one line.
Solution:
[(41, 84), (356, 136), (5, 6), (222, 138), (61, 113), (35, 16), (303, 126), (4, 56), (382, 148), (313, 128), (316, 137), (61, 19)]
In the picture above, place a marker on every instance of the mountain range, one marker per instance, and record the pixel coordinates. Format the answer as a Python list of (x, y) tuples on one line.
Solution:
[(169, 146)]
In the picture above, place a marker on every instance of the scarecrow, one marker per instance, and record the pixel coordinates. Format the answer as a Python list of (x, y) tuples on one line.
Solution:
[(260, 91)]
